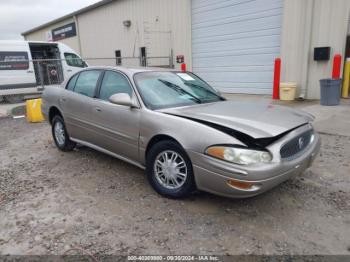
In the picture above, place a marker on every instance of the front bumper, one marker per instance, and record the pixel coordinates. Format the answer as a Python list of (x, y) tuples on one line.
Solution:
[(212, 175)]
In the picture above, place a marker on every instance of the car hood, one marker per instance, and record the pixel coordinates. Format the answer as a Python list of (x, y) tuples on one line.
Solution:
[(258, 120)]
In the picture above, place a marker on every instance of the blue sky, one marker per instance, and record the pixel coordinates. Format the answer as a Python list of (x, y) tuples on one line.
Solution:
[(17, 16)]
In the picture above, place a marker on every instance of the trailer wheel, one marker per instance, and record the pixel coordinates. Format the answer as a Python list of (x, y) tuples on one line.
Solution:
[(14, 99)]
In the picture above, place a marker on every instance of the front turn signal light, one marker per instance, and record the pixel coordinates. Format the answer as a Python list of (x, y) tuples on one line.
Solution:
[(246, 186)]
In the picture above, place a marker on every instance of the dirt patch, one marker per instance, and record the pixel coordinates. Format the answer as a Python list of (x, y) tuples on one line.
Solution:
[(51, 202)]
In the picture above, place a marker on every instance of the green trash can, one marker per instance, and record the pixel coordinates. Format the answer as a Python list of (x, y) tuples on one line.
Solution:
[(330, 91)]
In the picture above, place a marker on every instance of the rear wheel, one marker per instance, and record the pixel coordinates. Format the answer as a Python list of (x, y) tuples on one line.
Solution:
[(60, 135), (169, 170)]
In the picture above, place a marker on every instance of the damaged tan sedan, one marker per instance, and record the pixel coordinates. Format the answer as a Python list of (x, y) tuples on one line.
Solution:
[(181, 130)]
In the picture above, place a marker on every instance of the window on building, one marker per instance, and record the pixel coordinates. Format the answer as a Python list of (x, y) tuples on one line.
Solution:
[(114, 83), (74, 60), (86, 83), (118, 57)]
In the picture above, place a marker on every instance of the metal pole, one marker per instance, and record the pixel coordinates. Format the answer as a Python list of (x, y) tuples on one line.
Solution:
[(336, 66), (41, 76), (78, 33), (346, 84), (276, 79), (171, 59)]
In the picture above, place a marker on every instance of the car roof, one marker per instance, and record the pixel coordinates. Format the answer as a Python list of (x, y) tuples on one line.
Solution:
[(133, 70)]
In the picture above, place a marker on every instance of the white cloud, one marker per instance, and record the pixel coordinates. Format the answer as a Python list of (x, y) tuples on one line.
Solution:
[(17, 16)]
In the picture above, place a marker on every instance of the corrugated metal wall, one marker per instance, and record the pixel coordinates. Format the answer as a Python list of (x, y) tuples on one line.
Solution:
[(308, 24), (235, 42), (158, 25)]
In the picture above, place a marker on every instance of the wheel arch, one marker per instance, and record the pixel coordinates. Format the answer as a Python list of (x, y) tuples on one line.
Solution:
[(53, 112), (192, 186), (158, 138)]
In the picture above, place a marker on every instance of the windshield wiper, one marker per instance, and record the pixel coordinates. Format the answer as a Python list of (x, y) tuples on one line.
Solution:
[(179, 89), (205, 89)]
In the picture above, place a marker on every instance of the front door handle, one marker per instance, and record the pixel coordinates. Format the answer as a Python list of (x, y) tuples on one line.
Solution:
[(98, 109), (69, 70), (30, 71)]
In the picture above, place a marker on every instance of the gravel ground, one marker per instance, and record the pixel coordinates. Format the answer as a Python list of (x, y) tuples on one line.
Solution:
[(51, 202)]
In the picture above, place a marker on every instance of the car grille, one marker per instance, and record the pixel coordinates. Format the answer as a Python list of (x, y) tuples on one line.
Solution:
[(297, 145)]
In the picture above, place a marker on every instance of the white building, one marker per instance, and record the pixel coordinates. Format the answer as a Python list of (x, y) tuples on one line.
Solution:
[(230, 43)]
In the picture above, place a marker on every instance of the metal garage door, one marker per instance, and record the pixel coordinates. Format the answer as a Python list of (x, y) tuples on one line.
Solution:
[(235, 42)]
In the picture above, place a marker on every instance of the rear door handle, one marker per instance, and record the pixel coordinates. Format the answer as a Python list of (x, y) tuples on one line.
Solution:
[(69, 70), (30, 71), (63, 100), (98, 109)]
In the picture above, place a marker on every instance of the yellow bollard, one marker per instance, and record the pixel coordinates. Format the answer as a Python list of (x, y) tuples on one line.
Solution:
[(33, 108), (346, 84)]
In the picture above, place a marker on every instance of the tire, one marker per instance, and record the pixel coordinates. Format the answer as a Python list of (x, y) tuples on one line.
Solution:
[(164, 176), (60, 135)]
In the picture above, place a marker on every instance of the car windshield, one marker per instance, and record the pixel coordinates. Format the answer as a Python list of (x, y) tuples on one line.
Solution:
[(173, 89)]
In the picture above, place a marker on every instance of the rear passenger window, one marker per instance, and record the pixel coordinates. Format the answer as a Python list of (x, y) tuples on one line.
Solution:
[(71, 83), (114, 83), (86, 83)]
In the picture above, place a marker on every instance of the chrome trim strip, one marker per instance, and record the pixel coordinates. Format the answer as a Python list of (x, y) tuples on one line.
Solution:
[(105, 151)]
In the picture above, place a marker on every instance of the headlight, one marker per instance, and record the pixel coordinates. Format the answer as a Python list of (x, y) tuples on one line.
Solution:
[(239, 156)]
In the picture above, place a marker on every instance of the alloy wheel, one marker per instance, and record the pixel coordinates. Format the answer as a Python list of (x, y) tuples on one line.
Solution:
[(60, 135), (170, 169)]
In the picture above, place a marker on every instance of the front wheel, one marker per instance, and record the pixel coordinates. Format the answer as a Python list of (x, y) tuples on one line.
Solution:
[(60, 135), (169, 170)]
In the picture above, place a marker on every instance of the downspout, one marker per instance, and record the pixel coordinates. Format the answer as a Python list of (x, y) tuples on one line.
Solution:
[(78, 34), (190, 41), (306, 54)]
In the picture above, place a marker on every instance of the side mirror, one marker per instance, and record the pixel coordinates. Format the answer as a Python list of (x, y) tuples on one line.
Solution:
[(122, 99)]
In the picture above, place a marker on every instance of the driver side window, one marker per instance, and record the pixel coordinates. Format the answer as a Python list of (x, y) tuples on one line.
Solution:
[(114, 83), (74, 60)]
